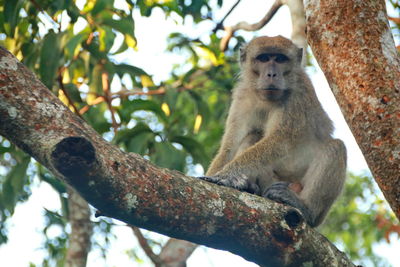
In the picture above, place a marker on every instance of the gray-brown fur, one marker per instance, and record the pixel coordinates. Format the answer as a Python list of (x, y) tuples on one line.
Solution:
[(277, 136)]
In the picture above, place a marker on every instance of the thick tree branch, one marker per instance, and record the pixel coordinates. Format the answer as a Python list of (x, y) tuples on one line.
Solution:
[(129, 188), (354, 46)]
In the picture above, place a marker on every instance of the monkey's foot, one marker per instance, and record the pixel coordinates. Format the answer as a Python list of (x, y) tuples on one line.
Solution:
[(240, 182), (281, 193)]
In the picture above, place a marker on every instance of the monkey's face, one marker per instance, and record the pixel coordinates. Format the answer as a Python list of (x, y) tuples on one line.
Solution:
[(271, 71), (269, 64)]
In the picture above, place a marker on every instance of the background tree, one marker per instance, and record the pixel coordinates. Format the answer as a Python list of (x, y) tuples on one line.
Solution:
[(73, 47)]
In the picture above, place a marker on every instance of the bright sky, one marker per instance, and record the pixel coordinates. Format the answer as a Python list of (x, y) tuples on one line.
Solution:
[(24, 235)]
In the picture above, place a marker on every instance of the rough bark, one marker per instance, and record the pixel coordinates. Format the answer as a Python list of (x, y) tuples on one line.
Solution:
[(298, 18), (81, 230), (129, 188), (354, 46), (176, 252)]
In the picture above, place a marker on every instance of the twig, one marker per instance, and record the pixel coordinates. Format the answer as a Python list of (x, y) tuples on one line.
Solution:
[(221, 23), (96, 101), (125, 93), (395, 20), (108, 98), (66, 93), (230, 30), (145, 246)]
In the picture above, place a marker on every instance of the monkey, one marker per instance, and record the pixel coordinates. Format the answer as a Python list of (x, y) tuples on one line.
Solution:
[(278, 139)]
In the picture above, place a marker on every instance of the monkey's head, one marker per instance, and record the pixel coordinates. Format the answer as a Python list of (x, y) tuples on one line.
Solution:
[(270, 65)]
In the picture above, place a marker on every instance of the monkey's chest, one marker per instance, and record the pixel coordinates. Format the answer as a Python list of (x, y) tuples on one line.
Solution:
[(250, 138), (293, 165)]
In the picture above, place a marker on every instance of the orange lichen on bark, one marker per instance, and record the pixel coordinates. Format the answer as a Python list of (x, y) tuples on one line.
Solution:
[(354, 46)]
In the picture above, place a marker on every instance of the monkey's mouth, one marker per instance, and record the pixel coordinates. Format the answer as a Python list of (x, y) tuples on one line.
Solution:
[(272, 89), (273, 93)]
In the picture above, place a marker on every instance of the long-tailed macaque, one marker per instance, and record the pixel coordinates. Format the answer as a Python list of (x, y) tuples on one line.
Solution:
[(277, 140)]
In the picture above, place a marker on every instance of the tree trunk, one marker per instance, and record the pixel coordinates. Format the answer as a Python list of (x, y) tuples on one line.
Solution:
[(129, 188), (81, 230), (354, 46)]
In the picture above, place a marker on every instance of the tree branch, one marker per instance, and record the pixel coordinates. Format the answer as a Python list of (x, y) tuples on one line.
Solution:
[(230, 30), (129, 188), (221, 23), (81, 231), (146, 248), (176, 252), (66, 93)]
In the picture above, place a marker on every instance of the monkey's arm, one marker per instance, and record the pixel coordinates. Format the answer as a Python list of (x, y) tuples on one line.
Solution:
[(220, 160), (215, 171), (229, 142), (257, 160), (242, 172)]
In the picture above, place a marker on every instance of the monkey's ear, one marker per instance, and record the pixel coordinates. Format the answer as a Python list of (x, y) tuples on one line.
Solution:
[(300, 54), (242, 54)]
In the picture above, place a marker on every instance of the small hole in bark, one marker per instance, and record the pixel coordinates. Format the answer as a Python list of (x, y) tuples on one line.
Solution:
[(293, 218), (116, 165)]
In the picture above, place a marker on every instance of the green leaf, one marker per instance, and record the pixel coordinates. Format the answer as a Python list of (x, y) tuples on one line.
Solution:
[(202, 106), (95, 117), (5, 149), (123, 136), (106, 38), (121, 49), (95, 84), (31, 54), (11, 15), (121, 69), (49, 58), (51, 179), (194, 148), (101, 5), (124, 25), (73, 92), (140, 143), (149, 105), (14, 184), (167, 156), (73, 45), (73, 12)]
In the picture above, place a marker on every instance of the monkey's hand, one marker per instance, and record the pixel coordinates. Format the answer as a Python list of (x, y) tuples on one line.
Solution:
[(281, 193), (239, 182)]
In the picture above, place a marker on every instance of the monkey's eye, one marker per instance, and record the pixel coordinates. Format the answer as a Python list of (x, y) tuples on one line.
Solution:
[(280, 58), (263, 57)]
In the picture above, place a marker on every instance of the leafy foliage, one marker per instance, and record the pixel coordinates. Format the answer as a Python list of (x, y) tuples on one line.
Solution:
[(72, 45), (352, 222)]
